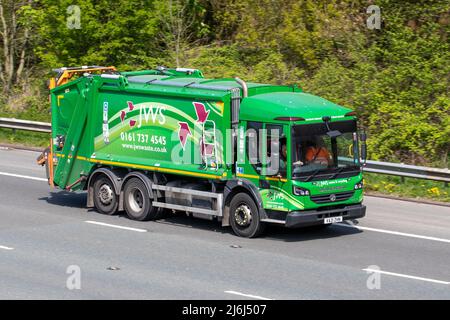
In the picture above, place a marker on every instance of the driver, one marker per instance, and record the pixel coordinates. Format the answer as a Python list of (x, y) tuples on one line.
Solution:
[(317, 153)]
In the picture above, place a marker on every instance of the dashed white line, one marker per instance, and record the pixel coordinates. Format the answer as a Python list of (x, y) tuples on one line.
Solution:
[(246, 295), (406, 276), (115, 226), (6, 248), (411, 235), (22, 176)]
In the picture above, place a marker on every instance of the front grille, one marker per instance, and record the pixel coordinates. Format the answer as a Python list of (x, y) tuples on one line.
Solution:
[(327, 198)]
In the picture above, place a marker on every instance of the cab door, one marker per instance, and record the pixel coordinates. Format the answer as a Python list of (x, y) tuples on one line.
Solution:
[(276, 157), (262, 160)]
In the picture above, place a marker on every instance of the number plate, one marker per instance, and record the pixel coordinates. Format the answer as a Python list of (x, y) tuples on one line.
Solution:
[(332, 220)]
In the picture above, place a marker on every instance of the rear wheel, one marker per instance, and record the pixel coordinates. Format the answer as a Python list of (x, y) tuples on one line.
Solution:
[(105, 198), (137, 202), (244, 216)]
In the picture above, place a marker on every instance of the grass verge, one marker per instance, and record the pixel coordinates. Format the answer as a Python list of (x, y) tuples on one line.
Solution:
[(408, 187), (25, 138)]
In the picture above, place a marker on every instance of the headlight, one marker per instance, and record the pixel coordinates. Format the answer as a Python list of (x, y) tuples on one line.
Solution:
[(298, 191), (359, 185)]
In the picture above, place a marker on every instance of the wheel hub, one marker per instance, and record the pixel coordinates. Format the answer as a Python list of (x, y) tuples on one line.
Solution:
[(136, 200), (105, 194), (243, 215)]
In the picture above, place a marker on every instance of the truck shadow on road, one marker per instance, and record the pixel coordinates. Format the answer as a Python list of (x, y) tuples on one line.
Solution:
[(179, 220), (66, 199), (272, 232), (308, 233)]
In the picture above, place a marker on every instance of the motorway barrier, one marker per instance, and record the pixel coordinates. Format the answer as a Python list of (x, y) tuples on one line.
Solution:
[(388, 168)]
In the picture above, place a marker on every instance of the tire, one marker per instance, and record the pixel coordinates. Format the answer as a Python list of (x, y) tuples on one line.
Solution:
[(105, 198), (137, 202), (244, 216)]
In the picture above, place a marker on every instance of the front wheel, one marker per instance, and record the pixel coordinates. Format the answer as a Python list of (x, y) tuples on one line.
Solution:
[(244, 216)]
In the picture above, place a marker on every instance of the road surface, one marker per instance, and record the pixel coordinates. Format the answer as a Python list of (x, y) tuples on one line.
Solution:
[(50, 242)]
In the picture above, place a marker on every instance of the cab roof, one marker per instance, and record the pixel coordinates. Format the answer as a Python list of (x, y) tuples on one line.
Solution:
[(290, 105)]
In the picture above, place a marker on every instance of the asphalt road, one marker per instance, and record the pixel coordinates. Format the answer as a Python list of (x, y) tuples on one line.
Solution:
[(44, 232)]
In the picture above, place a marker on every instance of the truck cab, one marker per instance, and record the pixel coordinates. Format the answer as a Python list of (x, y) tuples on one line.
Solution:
[(318, 177)]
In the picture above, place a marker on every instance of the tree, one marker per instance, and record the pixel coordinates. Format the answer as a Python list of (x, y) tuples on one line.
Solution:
[(14, 36), (120, 33), (182, 26)]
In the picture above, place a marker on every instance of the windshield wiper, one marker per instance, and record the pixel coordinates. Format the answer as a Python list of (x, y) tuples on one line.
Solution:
[(337, 173), (315, 172)]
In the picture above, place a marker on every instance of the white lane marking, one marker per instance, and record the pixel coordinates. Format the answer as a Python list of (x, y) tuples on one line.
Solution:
[(246, 295), (6, 248), (406, 276), (116, 226), (22, 176), (411, 235)]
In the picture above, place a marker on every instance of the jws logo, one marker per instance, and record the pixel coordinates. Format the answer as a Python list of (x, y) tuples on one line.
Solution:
[(146, 113)]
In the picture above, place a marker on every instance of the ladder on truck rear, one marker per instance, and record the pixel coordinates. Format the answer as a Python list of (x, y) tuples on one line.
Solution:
[(209, 145)]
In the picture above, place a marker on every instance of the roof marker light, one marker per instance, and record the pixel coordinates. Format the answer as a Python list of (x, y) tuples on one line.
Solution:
[(290, 119)]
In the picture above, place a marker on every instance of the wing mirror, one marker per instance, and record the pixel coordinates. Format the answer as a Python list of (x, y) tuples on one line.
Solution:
[(363, 138)]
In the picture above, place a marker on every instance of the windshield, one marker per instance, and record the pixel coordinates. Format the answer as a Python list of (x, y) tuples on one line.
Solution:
[(319, 153)]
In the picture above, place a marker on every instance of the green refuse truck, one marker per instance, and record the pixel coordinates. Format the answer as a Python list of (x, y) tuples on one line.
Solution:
[(157, 142)]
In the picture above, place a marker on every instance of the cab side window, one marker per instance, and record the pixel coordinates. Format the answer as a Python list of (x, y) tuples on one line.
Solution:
[(276, 150), (266, 148), (253, 144)]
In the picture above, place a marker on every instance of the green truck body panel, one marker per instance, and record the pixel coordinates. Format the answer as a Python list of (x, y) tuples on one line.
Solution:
[(144, 120)]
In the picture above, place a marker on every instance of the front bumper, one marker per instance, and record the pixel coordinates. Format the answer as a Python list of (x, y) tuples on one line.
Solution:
[(307, 218)]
